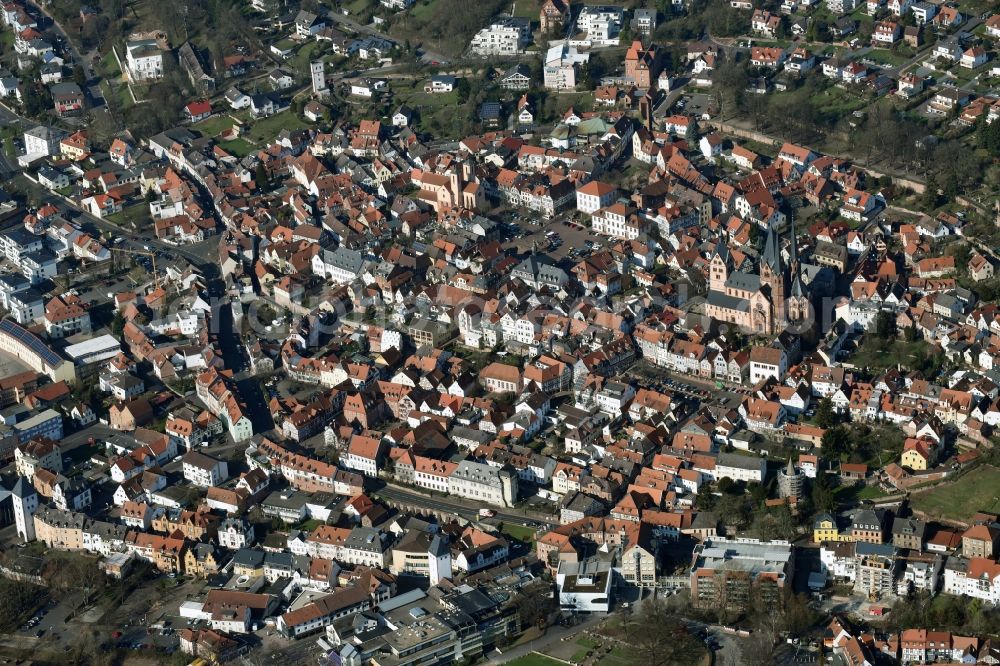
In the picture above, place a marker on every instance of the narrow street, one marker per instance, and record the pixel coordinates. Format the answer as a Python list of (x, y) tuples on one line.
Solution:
[(82, 59)]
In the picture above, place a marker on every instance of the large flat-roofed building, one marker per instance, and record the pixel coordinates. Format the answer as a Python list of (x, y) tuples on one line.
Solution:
[(730, 573), (89, 355), (414, 628), (94, 350)]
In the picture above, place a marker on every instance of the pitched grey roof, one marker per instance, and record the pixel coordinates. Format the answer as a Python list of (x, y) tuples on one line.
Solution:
[(739, 461), (345, 259), (743, 281), (23, 488), (723, 300)]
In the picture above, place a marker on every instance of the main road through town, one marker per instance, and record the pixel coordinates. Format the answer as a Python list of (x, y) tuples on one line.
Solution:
[(463, 508)]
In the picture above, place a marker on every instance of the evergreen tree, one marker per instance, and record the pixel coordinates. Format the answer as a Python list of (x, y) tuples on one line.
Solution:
[(929, 199), (261, 178)]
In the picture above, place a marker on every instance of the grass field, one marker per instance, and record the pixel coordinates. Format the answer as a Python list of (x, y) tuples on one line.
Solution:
[(525, 8), (886, 57), (872, 354), (535, 659), (586, 644), (214, 125), (266, 129), (445, 26), (412, 94), (357, 6), (979, 490), (238, 147), (309, 525), (616, 657), (519, 532), (299, 62), (851, 495), (110, 65), (838, 101), (136, 215)]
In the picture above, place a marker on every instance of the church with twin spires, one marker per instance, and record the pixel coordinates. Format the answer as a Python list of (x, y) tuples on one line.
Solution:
[(764, 302)]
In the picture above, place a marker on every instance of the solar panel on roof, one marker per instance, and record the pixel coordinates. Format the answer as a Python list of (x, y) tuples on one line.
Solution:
[(31, 341)]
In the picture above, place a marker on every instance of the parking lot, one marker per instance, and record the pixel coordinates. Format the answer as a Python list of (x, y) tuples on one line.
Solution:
[(558, 238), (693, 387), (695, 104)]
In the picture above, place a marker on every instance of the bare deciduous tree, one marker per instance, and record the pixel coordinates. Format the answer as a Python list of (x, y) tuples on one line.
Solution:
[(657, 638)]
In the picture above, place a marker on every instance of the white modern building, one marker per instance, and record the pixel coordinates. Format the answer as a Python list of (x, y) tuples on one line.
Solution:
[(598, 26), (560, 69), (505, 36), (585, 586)]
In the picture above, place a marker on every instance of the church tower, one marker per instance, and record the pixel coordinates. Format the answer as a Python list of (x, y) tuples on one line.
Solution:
[(772, 274), (798, 298)]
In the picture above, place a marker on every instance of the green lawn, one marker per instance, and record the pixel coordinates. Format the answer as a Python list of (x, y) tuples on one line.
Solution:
[(586, 644), (976, 7), (861, 14), (125, 98), (238, 147), (266, 129), (886, 57), (759, 148), (413, 95), (871, 492), (526, 8), (299, 63), (872, 354), (519, 532), (309, 525), (851, 495), (979, 490), (136, 215), (215, 125), (535, 659), (783, 43), (358, 6), (110, 65), (617, 657), (837, 101)]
